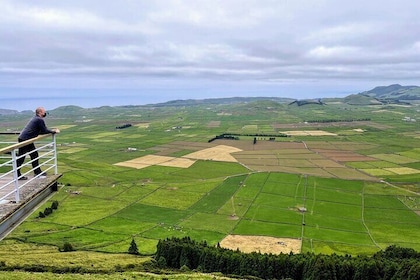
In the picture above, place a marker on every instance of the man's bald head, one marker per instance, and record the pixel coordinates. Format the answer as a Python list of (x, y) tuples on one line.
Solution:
[(40, 112)]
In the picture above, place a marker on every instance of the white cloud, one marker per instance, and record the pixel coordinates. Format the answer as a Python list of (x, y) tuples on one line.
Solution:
[(337, 53), (188, 42)]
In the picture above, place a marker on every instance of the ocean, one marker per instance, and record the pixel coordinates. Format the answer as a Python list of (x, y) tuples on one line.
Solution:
[(22, 103), (23, 99)]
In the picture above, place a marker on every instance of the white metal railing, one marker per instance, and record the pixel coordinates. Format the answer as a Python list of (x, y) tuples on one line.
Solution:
[(9, 179)]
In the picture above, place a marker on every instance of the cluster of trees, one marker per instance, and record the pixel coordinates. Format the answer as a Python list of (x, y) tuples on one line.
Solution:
[(307, 102), (392, 263), (48, 210), (123, 126), (235, 136), (224, 136), (338, 120)]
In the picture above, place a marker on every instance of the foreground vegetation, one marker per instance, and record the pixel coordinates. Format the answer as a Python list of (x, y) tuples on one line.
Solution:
[(392, 263), (358, 186)]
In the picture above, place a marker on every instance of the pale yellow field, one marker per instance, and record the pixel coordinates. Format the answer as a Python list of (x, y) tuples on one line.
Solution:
[(151, 159), (377, 172), (132, 164), (263, 244), (142, 125), (178, 162), (218, 153), (403, 170), (146, 161)]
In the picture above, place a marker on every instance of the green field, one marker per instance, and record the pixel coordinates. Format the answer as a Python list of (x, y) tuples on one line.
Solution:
[(337, 194)]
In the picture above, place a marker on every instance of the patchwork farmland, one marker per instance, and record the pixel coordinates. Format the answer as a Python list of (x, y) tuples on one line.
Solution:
[(351, 188)]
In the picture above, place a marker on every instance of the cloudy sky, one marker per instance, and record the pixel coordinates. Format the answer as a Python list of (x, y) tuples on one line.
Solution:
[(88, 52)]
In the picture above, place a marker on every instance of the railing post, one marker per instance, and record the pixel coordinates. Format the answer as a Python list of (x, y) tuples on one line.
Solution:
[(15, 175), (55, 154)]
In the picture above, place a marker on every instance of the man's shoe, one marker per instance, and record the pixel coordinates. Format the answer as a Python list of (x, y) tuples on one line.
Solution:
[(23, 178)]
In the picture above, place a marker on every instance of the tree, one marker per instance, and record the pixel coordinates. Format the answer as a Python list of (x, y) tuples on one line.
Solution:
[(133, 248)]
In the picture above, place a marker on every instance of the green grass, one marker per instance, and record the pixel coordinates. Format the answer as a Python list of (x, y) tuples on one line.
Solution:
[(274, 215), (377, 172), (248, 227), (325, 247), (73, 211), (210, 222), (219, 195), (172, 198), (252, 185), (338, 195), (383, 202), (414, 153), (277, 201), (384, 189), (388, 234), (402, 217), (150, 214), (236, 206), (338, 236), (394, 158), (331, 222), (281, 188), (333, 209)]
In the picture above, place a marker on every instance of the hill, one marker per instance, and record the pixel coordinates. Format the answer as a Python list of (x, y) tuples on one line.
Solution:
[(361, 99), (230, 100), (7, 112), (394, 92)]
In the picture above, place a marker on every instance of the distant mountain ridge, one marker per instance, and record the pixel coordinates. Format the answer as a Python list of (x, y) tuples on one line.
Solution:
[(8, 112), (226, 100), (394, 92)]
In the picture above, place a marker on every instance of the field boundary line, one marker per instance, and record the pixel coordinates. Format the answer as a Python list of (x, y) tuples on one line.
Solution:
[(363, 218), (314, 199), (303, 213)]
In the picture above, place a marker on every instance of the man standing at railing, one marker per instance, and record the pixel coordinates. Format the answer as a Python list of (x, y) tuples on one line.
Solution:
[(35, 127)]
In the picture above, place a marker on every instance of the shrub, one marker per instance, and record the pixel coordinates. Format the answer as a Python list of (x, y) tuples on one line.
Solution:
[(67, 247), (54, 205), (47, 211)]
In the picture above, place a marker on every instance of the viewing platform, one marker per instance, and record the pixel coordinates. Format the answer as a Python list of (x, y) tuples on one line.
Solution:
[(18, 198)]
